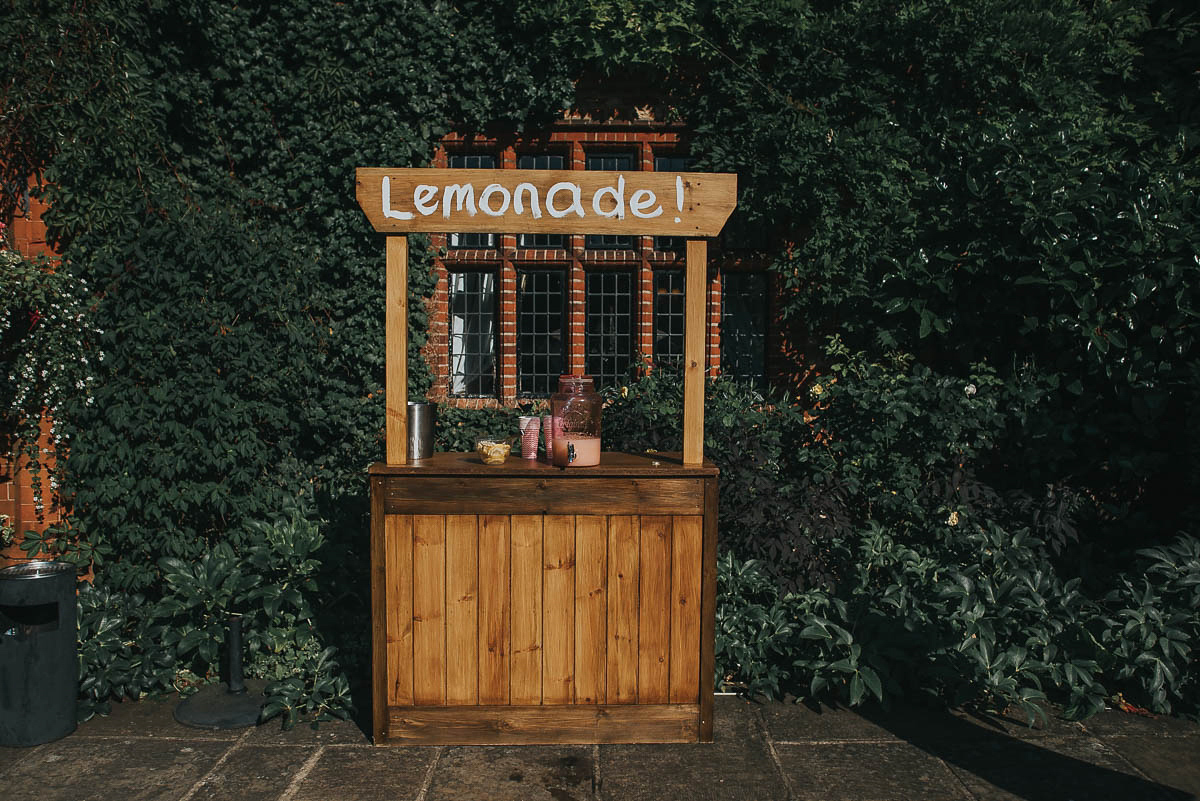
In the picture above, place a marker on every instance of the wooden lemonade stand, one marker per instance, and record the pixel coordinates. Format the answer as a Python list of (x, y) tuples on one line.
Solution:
[(525, 603)]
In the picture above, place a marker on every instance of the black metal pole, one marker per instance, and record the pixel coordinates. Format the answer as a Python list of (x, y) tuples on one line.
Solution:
[(234, 643)]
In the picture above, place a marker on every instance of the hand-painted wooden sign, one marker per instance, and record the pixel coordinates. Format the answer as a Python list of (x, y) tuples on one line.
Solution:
[(686, 204)]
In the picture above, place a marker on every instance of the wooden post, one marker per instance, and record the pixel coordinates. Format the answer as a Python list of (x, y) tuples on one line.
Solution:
[(396, 350), (695, 337)]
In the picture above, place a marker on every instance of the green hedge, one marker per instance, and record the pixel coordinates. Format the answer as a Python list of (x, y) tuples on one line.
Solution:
[(994, 195)]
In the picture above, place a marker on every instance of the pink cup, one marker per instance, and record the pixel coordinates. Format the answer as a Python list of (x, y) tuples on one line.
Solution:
[(548, 436), (529, 436)]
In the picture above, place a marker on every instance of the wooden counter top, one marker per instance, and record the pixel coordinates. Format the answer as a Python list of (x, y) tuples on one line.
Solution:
[(612, 463)]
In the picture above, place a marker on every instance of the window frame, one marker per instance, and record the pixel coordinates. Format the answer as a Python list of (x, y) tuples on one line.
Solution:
[(601, 376), (610, 241), (492, 337), (478, 241), (758, 334), (564, 329)]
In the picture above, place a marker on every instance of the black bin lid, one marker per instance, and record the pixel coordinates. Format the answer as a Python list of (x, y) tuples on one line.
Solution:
[(35, 570)]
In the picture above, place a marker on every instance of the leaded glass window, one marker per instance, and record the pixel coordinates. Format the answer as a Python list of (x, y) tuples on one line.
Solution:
[(609, 325), (473, 333), (744, 326), (481, 161), (546, 161), (670, 164), (541, 321), (668, 315), (622, 162)]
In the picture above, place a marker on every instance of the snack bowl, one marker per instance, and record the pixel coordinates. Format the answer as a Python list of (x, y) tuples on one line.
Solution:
[(492, 450)]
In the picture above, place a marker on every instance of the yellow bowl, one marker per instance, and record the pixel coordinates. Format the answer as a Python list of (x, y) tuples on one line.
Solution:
[(492, 451)]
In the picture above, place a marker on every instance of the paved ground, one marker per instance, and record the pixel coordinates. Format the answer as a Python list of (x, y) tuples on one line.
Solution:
[(762, 752)]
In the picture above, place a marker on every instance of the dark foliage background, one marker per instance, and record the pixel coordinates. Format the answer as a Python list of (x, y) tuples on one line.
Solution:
[(990, 205)]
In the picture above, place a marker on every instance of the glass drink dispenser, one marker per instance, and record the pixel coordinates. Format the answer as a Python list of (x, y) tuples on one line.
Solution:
[(576, 409)]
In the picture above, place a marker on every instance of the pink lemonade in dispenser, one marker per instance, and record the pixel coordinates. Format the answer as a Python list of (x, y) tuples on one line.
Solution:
[(576, 410)]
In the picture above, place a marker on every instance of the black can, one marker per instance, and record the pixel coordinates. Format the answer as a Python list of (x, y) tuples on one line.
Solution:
[(39, 670)]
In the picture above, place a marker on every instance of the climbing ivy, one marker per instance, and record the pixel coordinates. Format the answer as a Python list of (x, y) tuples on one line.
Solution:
[(995, 188)]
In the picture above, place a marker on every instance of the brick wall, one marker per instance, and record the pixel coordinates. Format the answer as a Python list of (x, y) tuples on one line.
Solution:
[(573, 140), (27, 233)]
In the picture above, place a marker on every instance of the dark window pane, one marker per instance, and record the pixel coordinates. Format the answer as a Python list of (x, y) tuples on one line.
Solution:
[(609, 161), (471, 241), (472, 333), (670, 164), (744, 326), (545, 161), (668, 315), (541, 309), (609, 326)]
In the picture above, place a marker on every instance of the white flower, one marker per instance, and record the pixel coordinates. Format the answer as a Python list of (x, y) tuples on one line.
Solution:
[(970, 389)]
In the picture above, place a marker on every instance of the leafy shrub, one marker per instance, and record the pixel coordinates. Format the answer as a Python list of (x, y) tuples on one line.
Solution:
[(768, 508), (131, 646), (975, 619)]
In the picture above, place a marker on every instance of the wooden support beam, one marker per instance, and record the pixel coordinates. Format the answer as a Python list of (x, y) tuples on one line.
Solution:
[(695, 337), (396, 350)]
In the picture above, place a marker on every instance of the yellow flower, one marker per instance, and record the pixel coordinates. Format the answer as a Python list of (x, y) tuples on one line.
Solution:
[(952, 520), (624, 392)]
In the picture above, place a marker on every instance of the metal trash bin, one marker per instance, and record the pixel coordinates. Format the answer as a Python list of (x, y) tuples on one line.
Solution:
[(39, 669)]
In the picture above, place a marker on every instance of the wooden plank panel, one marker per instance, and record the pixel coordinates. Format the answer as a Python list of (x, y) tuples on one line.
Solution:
[(623, 573), (379, 686), (429, 603), (462, 610), (493, 609), (546, 495), (695, 340), (534, 725), (558, 610), (686, 563), (658, 203), (525, 665), (591, 607), (395, 338), (708, 611), (399, 550), (654, 611)]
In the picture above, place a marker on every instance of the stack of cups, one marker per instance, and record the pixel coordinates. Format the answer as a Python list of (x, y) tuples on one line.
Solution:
[(529, 436), (548, 431)]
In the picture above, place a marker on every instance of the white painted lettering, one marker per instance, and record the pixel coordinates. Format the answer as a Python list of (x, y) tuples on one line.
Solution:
[(519, 207), (490, 190), (576, 206), (388, 211), (642, 200), (618, 195), (458, 194), (422, 195)]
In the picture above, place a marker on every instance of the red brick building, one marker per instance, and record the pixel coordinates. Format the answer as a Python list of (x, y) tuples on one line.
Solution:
[(511, 312), (18, 502)]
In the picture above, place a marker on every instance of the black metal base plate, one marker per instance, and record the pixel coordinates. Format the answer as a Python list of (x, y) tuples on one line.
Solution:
[(215, 707)]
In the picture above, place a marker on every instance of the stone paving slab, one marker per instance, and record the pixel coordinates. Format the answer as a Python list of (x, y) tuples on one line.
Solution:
[(148, 718), (821, 723), (366, 774), (330, 732), (1177, 767), (1114, 722), (253, 773), (1051, 770), (866, 772), (514, 773), (737, 765), (763, 752), (111, 768)]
